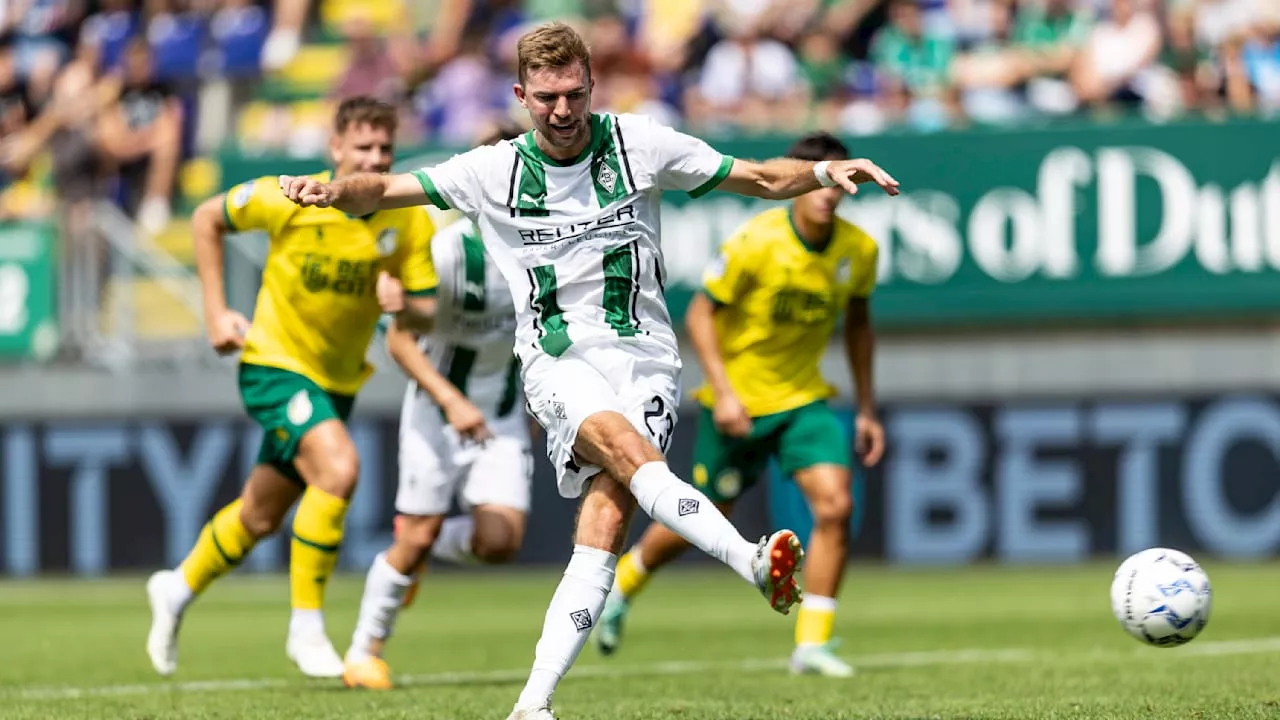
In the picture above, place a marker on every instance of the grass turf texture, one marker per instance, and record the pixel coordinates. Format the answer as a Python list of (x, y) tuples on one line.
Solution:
[(979, 642)]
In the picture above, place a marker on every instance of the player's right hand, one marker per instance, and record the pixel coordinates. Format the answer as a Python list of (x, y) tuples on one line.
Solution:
[(227, 330), (731, 417), (307, 191), (467, 420)]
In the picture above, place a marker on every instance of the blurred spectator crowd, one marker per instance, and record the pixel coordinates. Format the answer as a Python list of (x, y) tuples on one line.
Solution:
[(129, 99)]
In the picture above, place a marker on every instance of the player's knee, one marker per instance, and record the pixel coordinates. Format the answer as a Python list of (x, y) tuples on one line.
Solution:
[(342, 471), (608, 439), (629, 450), (497, 546), (259, 522), (833, 509)]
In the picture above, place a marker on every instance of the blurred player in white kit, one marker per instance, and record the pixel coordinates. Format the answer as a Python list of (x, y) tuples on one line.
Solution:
[(463, 433)]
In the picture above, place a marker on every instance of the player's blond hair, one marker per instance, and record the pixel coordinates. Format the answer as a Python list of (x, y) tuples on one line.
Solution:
[(554, 45), (365, 110)]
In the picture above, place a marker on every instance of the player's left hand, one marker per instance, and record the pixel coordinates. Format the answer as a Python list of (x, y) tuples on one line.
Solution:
[(390, 293), (849, 174), (868, 440)]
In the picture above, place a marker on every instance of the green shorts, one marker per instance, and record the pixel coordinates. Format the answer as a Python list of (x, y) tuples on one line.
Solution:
[(724, 467), (287, 405)]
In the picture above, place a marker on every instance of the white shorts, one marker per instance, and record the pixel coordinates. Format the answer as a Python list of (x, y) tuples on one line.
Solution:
[(641, 384), (436, 465)]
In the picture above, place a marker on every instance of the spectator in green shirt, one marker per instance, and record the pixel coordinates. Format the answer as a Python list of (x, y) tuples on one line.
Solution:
[(916, 66)]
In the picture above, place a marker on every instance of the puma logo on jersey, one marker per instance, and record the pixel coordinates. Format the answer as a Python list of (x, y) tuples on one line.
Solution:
[(528, 199)]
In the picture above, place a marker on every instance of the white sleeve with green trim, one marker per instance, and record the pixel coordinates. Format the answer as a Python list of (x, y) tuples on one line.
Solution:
[(456, 183), (679, 161)]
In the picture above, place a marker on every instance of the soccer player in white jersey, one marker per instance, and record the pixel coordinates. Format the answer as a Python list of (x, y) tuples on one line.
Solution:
[(569, 212), (463, 431)]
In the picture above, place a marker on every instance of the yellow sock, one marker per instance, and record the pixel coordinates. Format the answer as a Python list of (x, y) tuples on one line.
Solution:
[(815, 620), (317, 535), (631, 575), (222, 544)]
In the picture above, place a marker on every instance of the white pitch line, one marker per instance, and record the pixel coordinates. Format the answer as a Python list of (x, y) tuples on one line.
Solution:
[(1232, 647), (970, 656)]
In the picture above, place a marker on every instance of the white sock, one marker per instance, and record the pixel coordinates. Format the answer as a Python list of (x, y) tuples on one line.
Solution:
[(453, 544), (384, 590), (306, 621), (819, 603), (688, 513), (574, 610), (179, 592)]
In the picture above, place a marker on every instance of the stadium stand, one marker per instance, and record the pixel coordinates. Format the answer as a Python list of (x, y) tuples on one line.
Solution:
[(131, 102)]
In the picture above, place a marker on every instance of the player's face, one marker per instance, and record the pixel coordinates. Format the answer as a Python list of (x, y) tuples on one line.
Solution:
[(819, 207), (362, 148), (559, 104)]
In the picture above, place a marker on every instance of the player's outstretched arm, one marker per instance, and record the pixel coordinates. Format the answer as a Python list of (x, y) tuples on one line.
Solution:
[(358, 194), (785, 178)]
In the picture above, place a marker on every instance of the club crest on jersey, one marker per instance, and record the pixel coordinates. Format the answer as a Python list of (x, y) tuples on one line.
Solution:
[(241, 195), (844, 271), (386, 242), (607, 178)]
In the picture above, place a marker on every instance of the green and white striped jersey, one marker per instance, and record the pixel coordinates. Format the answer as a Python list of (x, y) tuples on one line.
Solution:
[(471, 343), (579, 243)]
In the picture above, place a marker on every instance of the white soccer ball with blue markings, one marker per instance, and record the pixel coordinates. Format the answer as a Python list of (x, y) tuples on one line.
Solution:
[(1161, 597)]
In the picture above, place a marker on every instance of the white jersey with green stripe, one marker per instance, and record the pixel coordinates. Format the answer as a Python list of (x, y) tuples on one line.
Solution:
[(471, 343), (580, 242)]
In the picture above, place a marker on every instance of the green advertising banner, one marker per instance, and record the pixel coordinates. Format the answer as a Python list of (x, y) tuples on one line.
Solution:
[(28, 286), (1123, 221)]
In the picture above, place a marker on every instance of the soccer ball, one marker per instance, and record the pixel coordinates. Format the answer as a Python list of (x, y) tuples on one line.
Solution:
[(1161, 597)]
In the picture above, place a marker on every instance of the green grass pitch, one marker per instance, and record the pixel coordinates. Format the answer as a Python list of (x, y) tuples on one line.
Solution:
[(979, 642)]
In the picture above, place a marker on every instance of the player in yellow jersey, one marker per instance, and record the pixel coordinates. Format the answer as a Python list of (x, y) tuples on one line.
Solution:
[(303, 361), (770, 305)]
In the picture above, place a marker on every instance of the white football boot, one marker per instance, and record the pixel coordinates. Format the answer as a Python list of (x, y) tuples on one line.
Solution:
[(819, 660), (609, 629), (162, 640), (314, 654), (778, 558)]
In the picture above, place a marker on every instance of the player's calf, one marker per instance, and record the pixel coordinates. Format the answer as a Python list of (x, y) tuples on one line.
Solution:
[(415, 535), (827, 489), (328, 462), (575, 607), (604, 515)]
